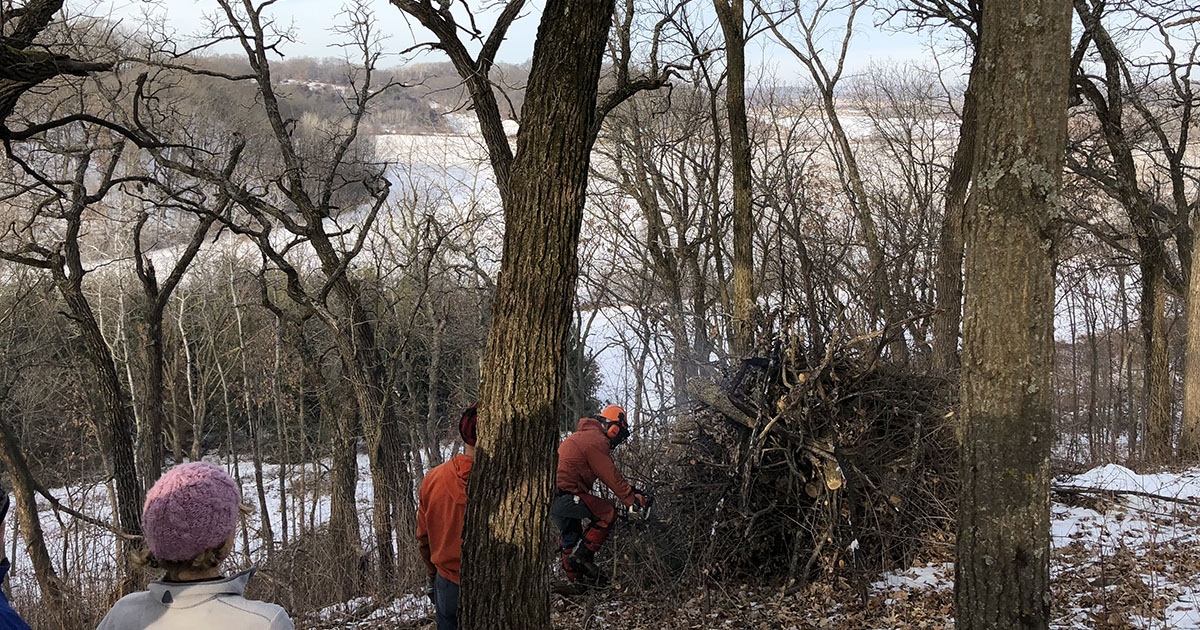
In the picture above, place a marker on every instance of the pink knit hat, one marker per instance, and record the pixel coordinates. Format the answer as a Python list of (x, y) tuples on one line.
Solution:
[(190, 509)]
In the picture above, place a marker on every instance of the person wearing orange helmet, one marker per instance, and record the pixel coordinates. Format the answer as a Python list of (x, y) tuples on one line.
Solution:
[(583, 457)]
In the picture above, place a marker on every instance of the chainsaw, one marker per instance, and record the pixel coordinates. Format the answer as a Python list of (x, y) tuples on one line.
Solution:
[(635, 513)]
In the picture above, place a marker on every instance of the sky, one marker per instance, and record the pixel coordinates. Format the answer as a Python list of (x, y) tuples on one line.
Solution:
[(312, 21)]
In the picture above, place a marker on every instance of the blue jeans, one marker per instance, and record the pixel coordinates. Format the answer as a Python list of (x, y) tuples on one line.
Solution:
[(445, 603)]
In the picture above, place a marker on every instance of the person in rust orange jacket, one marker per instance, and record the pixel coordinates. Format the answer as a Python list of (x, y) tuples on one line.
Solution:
[(440, 511), (584, 457)]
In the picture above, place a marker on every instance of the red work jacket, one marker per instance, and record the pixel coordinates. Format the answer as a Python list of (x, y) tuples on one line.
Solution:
[(586, 456)]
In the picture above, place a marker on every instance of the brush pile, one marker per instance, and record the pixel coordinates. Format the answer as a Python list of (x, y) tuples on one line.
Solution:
[(795, 469)]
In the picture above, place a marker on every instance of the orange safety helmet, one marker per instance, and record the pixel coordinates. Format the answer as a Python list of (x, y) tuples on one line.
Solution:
[(616, 426)]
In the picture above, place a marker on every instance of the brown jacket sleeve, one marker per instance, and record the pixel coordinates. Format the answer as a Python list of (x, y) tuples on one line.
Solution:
[(600, 459)]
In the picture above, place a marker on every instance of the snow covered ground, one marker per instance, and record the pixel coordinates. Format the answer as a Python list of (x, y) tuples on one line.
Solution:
[(1132, 561), (364, 614), (1119, 561)]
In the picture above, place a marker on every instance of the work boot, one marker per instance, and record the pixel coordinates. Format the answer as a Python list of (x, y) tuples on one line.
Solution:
[(581, 562), (570, 567)]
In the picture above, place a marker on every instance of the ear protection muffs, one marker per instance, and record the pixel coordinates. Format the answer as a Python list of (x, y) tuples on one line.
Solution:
[(616, 427)]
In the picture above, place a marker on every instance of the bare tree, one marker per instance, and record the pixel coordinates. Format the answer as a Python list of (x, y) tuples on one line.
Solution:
[(731, 14), (24, 65), (66, 205), (965, 17), (301, 211), (157, 298), (1121, 99), (1002, 568), (504, 561), (24, 486), (811, 47), (660, 159), (475, 71)]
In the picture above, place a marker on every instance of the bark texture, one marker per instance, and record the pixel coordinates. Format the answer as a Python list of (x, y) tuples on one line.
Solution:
[(1189, 436), (1003, 556), (730, 14), (1159, 418), (506, 563), (23, 65)]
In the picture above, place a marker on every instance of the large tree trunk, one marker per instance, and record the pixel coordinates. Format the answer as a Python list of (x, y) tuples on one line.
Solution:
[(730, 13), (1158, 377), (947, 321), (398, 455), (1002, 569), (505, 559), (1189, 436), (343, 512)]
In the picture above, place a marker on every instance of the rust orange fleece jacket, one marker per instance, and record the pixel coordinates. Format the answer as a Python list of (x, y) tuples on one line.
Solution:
[(586, 456), (440, 513)]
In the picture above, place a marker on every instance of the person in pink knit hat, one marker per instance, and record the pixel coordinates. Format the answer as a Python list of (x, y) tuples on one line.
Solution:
[(189, 519)]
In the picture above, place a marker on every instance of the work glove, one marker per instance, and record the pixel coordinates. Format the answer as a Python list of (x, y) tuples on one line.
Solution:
[(430, 592), (641, 500)]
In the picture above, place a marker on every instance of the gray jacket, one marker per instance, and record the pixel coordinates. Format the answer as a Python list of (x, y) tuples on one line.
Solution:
[(196, 606)]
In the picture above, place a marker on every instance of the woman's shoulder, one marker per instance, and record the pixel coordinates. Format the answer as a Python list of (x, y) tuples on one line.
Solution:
[(133, 600), (272, 616), (126, 608)]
